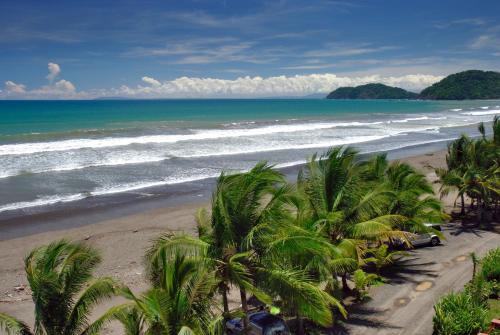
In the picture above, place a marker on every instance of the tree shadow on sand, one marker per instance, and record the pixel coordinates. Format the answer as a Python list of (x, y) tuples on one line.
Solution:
[(364, 316), (474, 229), (406, 269)]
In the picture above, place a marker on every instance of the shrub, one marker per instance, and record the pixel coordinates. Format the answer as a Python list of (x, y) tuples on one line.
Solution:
[(362, 281), (459, 314), (479, 289), (490, 268)]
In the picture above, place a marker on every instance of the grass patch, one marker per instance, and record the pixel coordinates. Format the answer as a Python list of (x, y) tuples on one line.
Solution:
[(493, 309)]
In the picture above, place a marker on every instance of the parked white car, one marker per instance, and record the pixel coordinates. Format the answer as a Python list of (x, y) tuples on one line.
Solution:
[(423, 239), (429, 238)]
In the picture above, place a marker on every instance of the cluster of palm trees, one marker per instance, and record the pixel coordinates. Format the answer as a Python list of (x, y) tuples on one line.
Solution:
[(293, 246), (473, 171)]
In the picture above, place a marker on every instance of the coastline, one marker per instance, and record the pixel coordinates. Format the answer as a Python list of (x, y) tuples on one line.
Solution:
[(92, 210), (122, 238)]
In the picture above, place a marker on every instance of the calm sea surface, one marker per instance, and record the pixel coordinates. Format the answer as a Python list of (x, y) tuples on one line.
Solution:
[(62, 151)]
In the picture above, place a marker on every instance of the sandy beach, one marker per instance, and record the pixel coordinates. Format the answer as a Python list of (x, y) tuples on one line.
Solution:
[(122, 242)]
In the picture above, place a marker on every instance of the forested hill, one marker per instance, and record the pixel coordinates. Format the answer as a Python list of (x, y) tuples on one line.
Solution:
[(472, 84), (371, 91)]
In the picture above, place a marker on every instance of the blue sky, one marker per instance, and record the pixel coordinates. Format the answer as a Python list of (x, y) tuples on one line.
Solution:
[(201, 47)]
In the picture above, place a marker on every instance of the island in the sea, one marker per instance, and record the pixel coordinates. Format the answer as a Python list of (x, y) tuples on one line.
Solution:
[(472, 84), (371, 91), (466, 85)]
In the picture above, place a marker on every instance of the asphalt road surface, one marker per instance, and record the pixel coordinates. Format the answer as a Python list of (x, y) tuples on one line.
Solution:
[(405, 305)]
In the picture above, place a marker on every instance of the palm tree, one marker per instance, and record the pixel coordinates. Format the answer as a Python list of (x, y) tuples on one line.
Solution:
[(248, 238), (382, 257), (181, 299), (473, 169), (412, 196), (299, 294), (348, 207), (296, 265), (240, 204), (362, 281), (63, 290), (344, 203)]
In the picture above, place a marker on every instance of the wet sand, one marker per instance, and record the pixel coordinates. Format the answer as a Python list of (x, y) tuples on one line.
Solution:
[(121, 240)]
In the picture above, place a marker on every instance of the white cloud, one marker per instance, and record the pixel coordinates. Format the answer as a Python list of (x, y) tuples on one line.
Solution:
[(342, 51), (298, 85), (13, 88), (62, 89), (54, 70), (472, 21), (151, 81), (202, 51), (245, 86)]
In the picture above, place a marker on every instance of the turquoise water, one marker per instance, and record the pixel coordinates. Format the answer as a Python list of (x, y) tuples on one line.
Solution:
[(54, 152), (25, 117)]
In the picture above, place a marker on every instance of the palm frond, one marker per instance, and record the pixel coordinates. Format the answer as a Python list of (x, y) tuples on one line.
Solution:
[(12, 326)]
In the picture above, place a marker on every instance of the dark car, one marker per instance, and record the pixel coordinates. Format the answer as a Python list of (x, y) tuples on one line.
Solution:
[(260, 323)]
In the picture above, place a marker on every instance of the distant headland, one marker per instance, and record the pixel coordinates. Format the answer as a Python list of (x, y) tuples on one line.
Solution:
[(466, 85)]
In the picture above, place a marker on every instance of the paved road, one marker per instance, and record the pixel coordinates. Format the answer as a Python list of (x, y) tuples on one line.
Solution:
[(405, 306)]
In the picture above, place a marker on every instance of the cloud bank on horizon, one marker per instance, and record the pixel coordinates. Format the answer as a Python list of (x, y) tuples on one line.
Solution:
[(192, 87)]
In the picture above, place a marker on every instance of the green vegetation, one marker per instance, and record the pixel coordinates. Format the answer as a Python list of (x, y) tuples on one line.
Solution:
[(472, 84), (371, 91), (63, 289), (459, 314), (382, 257), (362, 281), (289, 245), (493, 309), (473, 171), (470, 311), (490, 269)]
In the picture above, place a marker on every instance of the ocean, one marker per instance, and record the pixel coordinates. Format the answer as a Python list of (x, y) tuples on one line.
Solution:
[(57, 152)]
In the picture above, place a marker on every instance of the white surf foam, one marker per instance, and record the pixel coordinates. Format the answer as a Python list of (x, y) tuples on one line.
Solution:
[(478, 113), (30, 148), (57, 199), (61, 167), (290, 164), (418, 119), (291, 146)]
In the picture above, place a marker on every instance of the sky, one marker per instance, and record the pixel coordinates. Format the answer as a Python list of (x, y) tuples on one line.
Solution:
[(235, 48)]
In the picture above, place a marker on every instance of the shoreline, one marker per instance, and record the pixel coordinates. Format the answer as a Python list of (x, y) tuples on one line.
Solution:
[(75, 214), (122, 239)]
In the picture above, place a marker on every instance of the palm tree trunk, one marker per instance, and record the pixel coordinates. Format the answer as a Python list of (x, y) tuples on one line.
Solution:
[(345, 286), (225, 302), (299, 325), (244, 306), (479, 211), (462, 198)]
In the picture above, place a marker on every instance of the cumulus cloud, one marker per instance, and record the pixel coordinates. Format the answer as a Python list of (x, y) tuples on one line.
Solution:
[(12, 87), (195, 87), (151, 81), (61, 89), (54, 70), (298, 85)]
